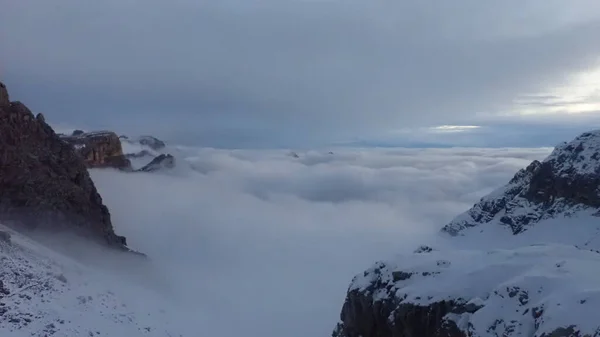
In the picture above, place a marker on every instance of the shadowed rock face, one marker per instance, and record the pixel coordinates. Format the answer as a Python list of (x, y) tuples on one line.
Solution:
[(44, 183), (4, 100), (99, 149), (363, 316)]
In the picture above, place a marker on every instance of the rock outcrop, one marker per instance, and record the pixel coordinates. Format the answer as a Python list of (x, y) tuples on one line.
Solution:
[(545, 231), (99, 149), (4, 99), (44, 183), (161, 162)]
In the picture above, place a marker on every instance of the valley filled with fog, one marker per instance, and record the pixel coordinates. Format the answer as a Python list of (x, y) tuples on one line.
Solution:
[(264, 243)]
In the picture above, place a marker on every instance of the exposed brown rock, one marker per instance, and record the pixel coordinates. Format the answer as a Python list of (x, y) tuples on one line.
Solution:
[(99, 149), (43, 182)]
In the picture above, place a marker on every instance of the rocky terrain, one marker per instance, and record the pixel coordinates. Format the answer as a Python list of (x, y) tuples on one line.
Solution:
[(521, 262), (44, 183), (104, 149), (563, 184), (161, 162), (99, 149)]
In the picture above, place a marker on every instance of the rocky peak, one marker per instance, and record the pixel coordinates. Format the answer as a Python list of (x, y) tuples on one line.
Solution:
[(43, 182), (567, 181)]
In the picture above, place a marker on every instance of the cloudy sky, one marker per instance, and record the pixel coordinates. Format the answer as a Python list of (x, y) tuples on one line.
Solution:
[(240, 73)]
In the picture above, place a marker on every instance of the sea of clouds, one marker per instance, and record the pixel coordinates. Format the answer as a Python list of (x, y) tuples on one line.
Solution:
[(261, 243)]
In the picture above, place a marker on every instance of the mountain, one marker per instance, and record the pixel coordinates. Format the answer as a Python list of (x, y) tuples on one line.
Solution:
[(44, 183), (522, 261), (146, 153), (563, 185)]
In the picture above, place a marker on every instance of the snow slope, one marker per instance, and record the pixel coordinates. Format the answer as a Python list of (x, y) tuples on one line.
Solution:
[(48, 294)]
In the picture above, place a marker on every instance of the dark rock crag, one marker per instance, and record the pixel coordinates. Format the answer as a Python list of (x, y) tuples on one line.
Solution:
[(376, 311), (363, 317), (161, 162), (99, 149), (44, 183)]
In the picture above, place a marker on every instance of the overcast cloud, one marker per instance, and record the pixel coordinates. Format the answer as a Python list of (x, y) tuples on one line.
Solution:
[(259, 243), (262, 73)]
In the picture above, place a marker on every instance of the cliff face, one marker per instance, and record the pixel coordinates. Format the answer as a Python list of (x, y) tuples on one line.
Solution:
[(43, 182), (99, 149)]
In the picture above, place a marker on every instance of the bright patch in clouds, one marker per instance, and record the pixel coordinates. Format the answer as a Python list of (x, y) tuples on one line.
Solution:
[(454, 128), (259, 243), (579, 94)]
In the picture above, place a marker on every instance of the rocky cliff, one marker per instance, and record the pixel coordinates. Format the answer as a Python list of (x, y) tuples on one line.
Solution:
[(521, 262), (99, 149), (44, 183)]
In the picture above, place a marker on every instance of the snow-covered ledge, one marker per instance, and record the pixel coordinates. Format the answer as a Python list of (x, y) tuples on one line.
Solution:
[(540, 290)]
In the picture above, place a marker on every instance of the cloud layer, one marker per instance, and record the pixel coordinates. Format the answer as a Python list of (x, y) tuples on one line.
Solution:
[(232, 73), (262, 243)]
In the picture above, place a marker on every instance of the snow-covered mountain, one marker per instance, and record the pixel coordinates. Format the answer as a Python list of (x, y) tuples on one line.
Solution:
[(522, 261)]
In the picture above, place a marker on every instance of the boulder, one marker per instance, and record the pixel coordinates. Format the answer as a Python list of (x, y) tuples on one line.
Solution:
[(44, 183), (99, 149)]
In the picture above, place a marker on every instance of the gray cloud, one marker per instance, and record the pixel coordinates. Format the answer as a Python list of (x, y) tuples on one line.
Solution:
[(233, 73)]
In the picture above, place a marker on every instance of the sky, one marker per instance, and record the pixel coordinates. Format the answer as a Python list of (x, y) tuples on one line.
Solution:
[(307, 73), (259, 243)]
